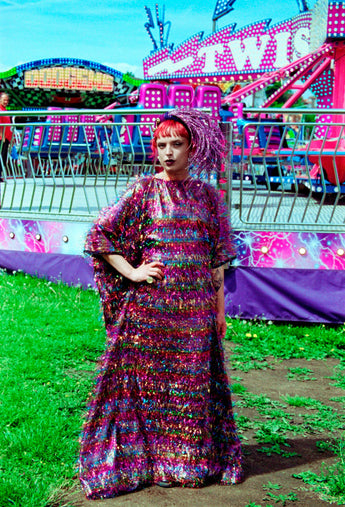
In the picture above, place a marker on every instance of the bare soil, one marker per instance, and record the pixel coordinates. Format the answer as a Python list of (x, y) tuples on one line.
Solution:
[(260, 469)]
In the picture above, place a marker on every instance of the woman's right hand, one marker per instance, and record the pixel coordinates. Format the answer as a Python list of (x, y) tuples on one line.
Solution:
[(145, 272)]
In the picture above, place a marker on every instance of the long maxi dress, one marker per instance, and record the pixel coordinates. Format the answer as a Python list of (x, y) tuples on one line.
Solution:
[(161, 408)]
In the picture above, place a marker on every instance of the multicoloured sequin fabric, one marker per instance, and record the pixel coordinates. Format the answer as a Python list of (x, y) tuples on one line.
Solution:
[(161, 408)]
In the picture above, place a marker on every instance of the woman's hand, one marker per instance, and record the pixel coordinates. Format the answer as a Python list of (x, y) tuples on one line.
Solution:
[(221, 325), (146, 272)]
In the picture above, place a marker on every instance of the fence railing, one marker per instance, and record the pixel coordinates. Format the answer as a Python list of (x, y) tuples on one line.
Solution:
[(69, 165), (288, 170), (285, 169)]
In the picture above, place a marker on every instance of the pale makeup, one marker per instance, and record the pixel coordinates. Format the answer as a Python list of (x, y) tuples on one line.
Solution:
[(173, 153)]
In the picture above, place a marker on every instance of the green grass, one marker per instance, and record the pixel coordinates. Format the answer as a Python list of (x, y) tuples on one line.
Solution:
[(51, 337), (261, 343), (301, 374)]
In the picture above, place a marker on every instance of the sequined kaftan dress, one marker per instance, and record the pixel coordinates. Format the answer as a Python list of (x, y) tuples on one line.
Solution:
[(161, 407)]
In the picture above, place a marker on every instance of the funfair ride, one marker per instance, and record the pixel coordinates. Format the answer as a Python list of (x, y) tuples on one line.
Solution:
[(290, 235)]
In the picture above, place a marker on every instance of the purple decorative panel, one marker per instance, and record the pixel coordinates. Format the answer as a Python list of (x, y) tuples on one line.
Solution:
[(70, 269), (270, 280), (297, 250), (42, 236)]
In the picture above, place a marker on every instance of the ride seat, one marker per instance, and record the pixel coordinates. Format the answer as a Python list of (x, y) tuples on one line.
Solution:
[(180, 95), (208, 96)]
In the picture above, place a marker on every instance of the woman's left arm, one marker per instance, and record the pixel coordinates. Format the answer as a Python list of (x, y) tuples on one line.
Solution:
[(218, 284)]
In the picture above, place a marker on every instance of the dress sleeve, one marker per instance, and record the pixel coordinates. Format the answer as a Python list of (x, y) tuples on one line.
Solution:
[(117, 230), (118, 227), (223, 249)]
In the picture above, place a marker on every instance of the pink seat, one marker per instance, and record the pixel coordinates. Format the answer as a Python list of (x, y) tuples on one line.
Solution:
[(151, 96), (88, 129), (180, 95), (54, 133), (72, 132), (33, 136), (208, 96)]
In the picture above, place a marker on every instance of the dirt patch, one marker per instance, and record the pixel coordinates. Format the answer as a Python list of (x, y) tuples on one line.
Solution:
[(260, 468)]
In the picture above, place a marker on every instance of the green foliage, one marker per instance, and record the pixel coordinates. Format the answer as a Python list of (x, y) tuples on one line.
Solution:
[(276, 449), (283, 98), (270, 486), (300, 401), (280, 100), (290, 497), (338, 399), (330, 483), (261, 344), (301, 374), (268, 434), (339, 376), (324, 419), (238, 388)]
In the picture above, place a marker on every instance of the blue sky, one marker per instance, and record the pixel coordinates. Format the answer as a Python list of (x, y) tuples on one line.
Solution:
[(112, 31)]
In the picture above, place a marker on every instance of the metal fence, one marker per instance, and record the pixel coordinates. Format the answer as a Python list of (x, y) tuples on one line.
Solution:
[(67, 165), (283, 172), (287, 170)]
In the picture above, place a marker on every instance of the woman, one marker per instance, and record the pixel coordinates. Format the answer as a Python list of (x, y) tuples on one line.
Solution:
[(161, 411), (5, 133)]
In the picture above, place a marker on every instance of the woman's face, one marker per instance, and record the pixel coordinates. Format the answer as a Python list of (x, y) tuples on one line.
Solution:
[(173, 152)]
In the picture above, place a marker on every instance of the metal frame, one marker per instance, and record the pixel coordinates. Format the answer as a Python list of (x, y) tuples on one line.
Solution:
[(69, 170)]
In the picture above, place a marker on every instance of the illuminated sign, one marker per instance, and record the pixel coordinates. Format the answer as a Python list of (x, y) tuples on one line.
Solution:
[(255, 48), (68, 78)]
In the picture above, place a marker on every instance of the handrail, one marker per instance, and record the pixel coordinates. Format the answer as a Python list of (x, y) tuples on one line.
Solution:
[(68, 170)]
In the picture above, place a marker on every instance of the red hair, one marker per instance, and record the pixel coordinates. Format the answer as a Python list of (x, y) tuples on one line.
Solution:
[(168, 128)]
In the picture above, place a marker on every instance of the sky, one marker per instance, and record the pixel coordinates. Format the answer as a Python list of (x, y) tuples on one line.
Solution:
[(112, 32)]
